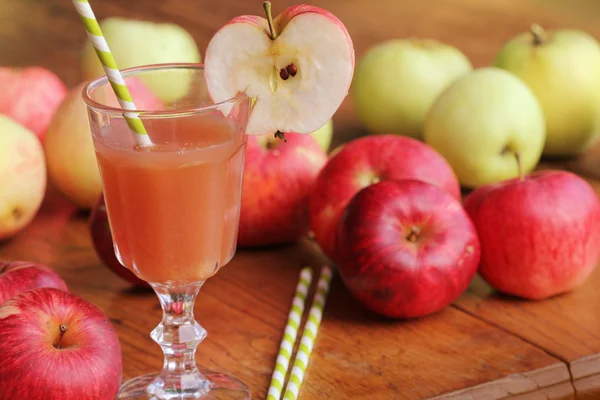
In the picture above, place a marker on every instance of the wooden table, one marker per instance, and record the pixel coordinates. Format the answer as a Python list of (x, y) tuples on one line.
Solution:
[(483, 347)]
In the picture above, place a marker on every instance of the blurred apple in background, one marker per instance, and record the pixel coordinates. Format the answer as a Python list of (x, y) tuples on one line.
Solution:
[(481, 121), (22, 176), (57, 346), (540, 236), (72, 165), (365, 161), (397, 81), (324, 135), (103, 244), (134, 43), (30, 96), (19, 276), (562, 68), (278, 179), (406, 248)]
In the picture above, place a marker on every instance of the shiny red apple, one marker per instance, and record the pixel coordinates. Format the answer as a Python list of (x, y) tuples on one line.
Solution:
[(540, 235), (278, 179), (57, 346), (406, 248), (365, 161), (103, 244), (19, 276)]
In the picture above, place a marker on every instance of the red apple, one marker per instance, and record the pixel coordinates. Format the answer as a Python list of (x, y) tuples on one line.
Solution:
[(365, 161), (31, 96), (406, 248), (278, 178), (57, 346), (540, 236), (19, 276), (103, 244)]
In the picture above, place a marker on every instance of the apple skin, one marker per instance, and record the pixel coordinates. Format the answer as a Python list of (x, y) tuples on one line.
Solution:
[(324, 135), (69, 149), (19, 276), (364, 161), (392, 275), (480, 121), (135, 43), (103, 244), (87, 366), (568, 91), (540, 236), (30, 96), (277, 184), (22, 176), (397, 81)]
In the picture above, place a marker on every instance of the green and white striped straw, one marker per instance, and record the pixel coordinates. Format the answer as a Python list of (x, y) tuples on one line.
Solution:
[(289, 336), (112, 71), (309, 334)]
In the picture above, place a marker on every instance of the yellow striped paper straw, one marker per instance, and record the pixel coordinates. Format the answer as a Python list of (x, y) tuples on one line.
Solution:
[(309, 334), (111, 70), (289, 335)]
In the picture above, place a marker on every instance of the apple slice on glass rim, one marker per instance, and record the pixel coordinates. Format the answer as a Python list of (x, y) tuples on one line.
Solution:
[(298, 67)]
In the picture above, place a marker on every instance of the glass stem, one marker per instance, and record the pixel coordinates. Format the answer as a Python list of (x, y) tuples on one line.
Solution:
[(178, 335)]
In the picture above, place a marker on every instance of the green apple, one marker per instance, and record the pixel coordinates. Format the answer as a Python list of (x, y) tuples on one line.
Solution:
[(397, 81), (481, 121), (324, 135), (563, 69), (134, 43)]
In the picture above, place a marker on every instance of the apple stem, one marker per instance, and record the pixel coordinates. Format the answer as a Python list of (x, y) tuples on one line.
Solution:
[(63, 328), (280, 135), (267, 7), (519, 166), (413, 234), (537, 32)]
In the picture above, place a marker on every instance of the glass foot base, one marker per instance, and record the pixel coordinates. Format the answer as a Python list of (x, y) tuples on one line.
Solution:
[(219, 387)]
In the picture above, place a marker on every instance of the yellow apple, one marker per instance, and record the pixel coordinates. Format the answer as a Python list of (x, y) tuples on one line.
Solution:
[(397, 81), (22, 176), (70, 156), (562, 68), (324, 135), (481, 121), (134, 43)]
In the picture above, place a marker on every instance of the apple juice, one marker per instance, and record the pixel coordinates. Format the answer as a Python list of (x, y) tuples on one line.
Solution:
[(173, 208)]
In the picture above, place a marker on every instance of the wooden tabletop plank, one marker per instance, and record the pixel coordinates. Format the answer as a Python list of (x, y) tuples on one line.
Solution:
[(244, 308)]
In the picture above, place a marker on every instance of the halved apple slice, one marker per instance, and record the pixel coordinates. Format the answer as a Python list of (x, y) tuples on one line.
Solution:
[(299, 67)]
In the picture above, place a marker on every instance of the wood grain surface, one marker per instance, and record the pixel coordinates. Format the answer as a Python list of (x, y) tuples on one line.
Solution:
[(486, 347)]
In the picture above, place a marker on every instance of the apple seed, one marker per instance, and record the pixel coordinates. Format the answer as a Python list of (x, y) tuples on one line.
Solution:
[(284, 74), (292, 69)]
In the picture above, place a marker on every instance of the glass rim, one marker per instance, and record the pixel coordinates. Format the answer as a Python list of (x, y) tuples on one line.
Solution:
[(96, 83)]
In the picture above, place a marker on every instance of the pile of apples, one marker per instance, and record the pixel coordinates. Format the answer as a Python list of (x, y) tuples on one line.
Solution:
[(387, 208), (48, 333)]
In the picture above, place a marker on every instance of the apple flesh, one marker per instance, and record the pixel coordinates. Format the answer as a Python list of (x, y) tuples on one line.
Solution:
[(22, 176), (57, 346), (568, 91), (135, 43), (278, 178), (397, 81), (31, 96), (19, 276), (480, 121), (72, 165), (406, 248), (298, 66), (104, 247), (539, 236), (365, 161)]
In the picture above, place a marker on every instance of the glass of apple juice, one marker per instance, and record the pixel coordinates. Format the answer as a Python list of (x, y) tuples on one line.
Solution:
[(173, 207)]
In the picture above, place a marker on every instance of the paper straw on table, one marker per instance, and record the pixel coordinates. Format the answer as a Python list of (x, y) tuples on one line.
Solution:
[(309, 334), (289, 336), (112, 71)]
